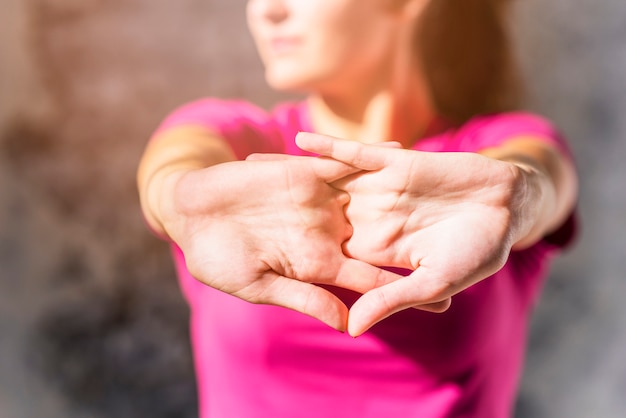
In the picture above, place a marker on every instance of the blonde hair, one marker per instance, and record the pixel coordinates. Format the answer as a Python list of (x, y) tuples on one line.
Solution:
[(465, 53)]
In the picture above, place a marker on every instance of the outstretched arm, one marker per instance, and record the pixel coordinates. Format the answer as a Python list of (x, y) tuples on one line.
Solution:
[(452, 218)]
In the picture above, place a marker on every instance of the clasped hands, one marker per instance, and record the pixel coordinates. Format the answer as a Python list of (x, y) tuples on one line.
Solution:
[(270, 228)]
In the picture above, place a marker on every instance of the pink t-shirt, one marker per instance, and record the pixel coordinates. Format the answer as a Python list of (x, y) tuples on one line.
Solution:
[(266, 361)]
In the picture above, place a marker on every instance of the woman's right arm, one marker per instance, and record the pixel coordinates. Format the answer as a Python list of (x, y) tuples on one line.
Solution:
[(168, 156)]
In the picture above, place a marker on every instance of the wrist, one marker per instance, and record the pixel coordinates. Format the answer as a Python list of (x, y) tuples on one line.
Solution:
[(534, 201), (549, 186), (158, 199)]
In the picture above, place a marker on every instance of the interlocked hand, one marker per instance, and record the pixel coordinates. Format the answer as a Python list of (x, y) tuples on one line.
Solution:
[(446, 216), (268, 231)]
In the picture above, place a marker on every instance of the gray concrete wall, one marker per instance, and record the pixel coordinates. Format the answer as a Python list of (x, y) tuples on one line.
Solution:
[(91, 320), (575, 56)]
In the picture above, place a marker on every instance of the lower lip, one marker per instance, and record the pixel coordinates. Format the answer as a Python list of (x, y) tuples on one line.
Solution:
[(283, 46)]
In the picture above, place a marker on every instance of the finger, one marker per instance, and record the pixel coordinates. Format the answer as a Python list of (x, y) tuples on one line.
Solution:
[(308, 299), (268, 157), (437, 307), (363, 156), (362, 277), (389, 144), (330, 170), (325, 168), (379, 303)]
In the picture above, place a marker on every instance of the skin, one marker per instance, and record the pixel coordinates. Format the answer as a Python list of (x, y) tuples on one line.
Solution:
[(277, 240), (354, 59), (453, 218)]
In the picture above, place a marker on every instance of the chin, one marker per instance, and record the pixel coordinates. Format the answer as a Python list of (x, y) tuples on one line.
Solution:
[(290, 81), (286, 84)]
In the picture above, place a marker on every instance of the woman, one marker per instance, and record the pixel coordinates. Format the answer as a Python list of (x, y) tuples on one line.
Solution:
[(440, 196)]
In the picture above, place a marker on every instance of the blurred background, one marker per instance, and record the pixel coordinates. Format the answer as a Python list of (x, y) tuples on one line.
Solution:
[(92, 323)]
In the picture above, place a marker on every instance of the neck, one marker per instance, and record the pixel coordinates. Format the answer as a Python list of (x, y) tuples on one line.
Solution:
[(397, 108)]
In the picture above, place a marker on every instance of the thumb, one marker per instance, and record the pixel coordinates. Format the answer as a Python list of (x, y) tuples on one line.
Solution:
[(416, 290), (306, 298)]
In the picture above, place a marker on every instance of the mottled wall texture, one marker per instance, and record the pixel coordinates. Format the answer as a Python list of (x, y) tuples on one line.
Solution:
[(91, 320)]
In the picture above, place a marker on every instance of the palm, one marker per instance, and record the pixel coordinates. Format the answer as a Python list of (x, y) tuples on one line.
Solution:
[(401, 211), (445, 216), (266, 231)]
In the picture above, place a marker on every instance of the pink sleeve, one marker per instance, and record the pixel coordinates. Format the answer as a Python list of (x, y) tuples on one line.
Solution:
[(246, 128), (492, 130)]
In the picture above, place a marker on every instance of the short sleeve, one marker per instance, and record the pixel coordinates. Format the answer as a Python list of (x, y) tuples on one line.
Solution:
[(488, 131), (246, 127)]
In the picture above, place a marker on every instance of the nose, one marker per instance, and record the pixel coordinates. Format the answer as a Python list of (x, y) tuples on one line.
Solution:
[(274, 11)]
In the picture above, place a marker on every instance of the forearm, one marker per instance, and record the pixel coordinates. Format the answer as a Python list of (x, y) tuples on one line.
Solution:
[(166, 158), (548, 187)]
